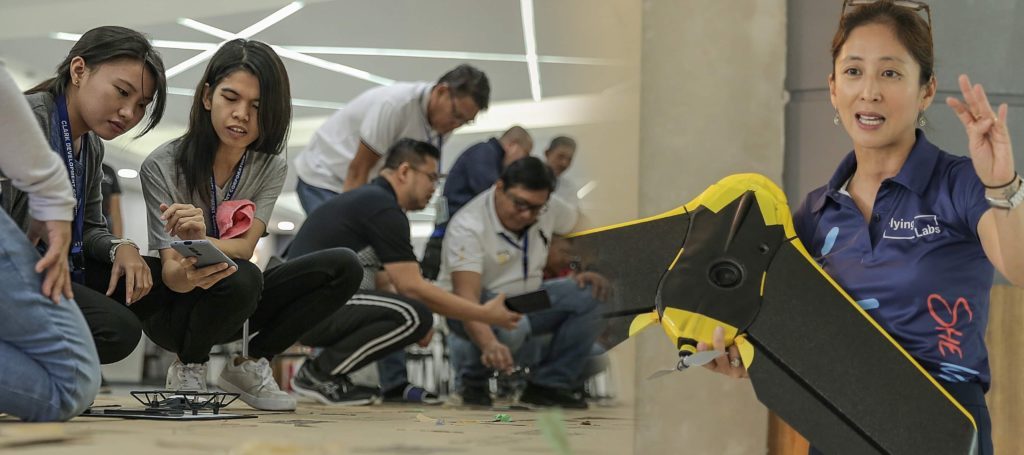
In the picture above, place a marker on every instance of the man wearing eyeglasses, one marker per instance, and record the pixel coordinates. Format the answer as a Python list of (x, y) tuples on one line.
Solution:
[(350, 147), (498, 243), (474, 171), (378, 320)]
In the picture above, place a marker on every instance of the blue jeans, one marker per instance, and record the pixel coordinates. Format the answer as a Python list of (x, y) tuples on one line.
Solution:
[(311, 197), (573, 323), (51, 370)]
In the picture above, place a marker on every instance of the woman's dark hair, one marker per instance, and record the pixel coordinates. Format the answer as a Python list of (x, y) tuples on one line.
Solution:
[(530, 173), (199, 144), (910, 28), (108, 43)]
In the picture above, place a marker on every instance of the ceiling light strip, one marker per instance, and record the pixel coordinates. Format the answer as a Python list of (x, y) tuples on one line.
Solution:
[(273, 18), (207, 29), (382, 52), (191, 62), (530, 37), (336, 67)]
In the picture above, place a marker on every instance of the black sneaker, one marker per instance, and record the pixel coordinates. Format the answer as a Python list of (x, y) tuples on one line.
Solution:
[(547, 397), (331, 390), (476, 396)]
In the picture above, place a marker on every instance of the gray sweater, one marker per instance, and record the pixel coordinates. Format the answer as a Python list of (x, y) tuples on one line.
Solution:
[(97, 239)]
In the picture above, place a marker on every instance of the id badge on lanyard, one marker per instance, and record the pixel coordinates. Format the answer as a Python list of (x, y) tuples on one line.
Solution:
[(214, 229), (525, 248), (64, 145)]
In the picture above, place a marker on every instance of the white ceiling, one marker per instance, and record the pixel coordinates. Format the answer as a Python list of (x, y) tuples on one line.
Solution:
[(579, 58)]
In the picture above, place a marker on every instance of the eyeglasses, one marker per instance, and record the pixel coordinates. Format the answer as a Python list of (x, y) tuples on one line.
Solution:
[(522, 205), (433, 176), (912, 5), (459, 117)]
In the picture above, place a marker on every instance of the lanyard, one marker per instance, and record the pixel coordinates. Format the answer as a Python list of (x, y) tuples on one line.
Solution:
[(214, 230), (525, 248), (62, 135)]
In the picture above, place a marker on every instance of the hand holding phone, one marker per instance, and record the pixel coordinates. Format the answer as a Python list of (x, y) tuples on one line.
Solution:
[(529, 302), (206, 253)]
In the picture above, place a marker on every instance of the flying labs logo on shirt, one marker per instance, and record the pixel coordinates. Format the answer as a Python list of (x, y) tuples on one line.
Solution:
[(909, 229)]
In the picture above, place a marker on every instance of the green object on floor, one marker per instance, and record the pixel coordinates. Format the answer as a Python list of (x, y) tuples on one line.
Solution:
[(502, 418), (552, 425)]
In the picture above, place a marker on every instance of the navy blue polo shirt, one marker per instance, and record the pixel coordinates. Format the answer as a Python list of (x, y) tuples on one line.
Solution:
[(917, 266), (475, 171)]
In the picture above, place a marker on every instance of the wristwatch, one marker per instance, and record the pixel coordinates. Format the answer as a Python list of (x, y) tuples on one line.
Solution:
[(116, 243), (1012, 196)]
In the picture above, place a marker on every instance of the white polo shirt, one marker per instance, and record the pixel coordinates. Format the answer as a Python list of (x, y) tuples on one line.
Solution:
[(566, 205), (476, 241), (379, 117)]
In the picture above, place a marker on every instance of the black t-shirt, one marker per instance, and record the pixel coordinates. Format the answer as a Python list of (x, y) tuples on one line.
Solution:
[(109, 186), (367, 220)]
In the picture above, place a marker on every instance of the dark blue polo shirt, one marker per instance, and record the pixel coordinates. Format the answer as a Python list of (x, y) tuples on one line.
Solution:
[(917, 266), (475, 171)]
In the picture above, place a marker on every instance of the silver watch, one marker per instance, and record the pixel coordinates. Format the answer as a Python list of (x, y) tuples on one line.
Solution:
[(117, 243), (1010, 197)]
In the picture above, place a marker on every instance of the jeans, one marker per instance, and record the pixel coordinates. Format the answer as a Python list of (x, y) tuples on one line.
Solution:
[(312, 197), (51, 370), (573, 323)]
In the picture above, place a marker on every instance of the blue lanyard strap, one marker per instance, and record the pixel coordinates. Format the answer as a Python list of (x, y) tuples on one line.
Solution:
[(525, 248), (214, 230), (62, 143)]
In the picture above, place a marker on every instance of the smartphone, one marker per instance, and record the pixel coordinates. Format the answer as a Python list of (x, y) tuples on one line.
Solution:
[(206, 252), (529, 302)]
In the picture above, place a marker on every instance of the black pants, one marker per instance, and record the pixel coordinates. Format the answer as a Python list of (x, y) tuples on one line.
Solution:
[(115, 329), (282, 304), (371, 325), (971, 396)]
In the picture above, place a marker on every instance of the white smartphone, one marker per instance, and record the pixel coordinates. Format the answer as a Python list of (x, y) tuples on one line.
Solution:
[(206, 252)]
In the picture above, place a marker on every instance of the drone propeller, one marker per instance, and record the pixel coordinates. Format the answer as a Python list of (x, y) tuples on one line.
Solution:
[(687, 361)]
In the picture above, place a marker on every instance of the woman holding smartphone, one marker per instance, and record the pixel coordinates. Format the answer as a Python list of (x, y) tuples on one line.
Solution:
[(231, 152)]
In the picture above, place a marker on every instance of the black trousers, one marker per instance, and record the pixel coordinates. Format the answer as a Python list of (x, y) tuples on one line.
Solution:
[(370, 326), (115, 329), (281, 304)]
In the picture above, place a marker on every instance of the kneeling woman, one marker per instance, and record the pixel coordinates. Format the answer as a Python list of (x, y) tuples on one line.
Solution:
[(104, 87), (230, 153)]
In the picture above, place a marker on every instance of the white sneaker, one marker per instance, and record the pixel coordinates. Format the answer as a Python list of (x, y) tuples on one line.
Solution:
[(186, 376), (254, 383)]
